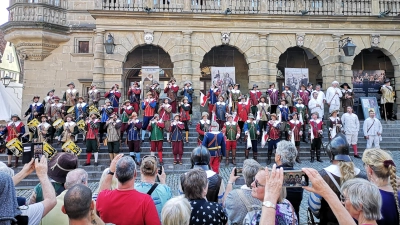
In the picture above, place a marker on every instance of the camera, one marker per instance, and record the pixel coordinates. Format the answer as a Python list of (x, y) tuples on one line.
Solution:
[(295, 178), (238, 171)]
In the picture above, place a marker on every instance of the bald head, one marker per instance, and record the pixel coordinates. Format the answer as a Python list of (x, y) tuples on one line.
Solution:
[(77, 202), (76, 176)]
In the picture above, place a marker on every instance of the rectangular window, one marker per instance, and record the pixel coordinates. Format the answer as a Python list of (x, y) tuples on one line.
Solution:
[(83, 47)]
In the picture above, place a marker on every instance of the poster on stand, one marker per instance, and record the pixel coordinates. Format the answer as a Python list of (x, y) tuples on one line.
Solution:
[(295, 77), (148, 73), (222, 77), (367, 83)]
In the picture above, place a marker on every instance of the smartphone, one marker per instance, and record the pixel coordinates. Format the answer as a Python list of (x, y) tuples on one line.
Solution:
[(294, 178), (160, 170), (37, 150), (27, 153), (238, 171)]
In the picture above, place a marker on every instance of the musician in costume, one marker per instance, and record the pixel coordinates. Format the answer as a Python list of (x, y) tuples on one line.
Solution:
[(125, 112), (177, 138), (106, 111), (93, 95), (43, 131), (134, 127), (220, 110), (156, 129), (302, 112), (231, 131), (187, 91), (251, 130), (228, 94), (387, 99), (172, 92), (273, 94), (316, 130), (215, 142), (54, 113), (283, 112), (48, 100), (295, 132), (372, 129), (81, 109), (14, 129), (92, 140), (263, 112), (333, 96), (351, 126), (113, 95), (310, 88), (321, 98), (235, 94), (68, 131), (165, 114), (316, 105), (273, 131), (347, 96), (202, 127), (134, 96), (113, 125), (148, 106), (287, 95), (304, 95), (334, 124), (212, 95), (255, 95), (155, 91), (243, 111), (35, 111), (184, 109), (70, 97)]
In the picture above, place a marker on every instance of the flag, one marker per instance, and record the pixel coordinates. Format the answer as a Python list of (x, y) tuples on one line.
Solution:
[(203, 99)]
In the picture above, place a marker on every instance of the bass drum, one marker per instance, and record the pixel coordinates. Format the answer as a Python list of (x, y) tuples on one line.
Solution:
[(71, 147)]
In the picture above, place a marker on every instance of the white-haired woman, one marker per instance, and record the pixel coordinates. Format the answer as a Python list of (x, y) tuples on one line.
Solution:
[(176, 211)]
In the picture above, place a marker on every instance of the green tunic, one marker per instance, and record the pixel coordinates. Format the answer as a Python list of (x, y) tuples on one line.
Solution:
[(252, 128), (231, 131), (263, 109), (157, 133), (301, 109)]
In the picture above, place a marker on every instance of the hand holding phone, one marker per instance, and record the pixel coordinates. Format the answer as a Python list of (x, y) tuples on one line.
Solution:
[(295, 178)]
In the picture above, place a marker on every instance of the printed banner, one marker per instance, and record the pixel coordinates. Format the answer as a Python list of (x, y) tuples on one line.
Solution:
[(295, 77), (222, 77), (148, 74), (367, 83)]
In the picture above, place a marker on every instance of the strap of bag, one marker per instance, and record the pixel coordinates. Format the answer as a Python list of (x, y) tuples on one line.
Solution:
[(310, 218), (334, 181), (244, 200), (152, 188), (371, 125)]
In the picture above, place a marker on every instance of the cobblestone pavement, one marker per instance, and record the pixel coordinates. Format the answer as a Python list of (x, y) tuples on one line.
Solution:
[(173, 180)]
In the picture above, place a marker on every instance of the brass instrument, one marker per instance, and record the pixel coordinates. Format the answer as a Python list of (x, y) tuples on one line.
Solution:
[(94, 109), (58, 123), (48, 150), (15, 146), (33, 124), (71, 147)]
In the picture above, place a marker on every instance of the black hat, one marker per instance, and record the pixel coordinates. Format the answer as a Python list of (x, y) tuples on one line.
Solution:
[(338, 148), (309, 84), (52, 90), (345, 84), (200, 157), (387, 80), (71, 83), (255, 86)]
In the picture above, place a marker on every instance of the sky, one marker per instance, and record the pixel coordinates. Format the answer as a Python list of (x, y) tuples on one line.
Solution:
[(3, 11)]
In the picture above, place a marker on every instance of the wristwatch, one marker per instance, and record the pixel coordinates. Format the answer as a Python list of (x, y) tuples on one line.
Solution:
[(111, 173), (269, 204)]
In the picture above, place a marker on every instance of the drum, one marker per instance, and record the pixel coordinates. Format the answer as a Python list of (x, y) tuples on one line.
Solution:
[(71, 147), (15, 146), (33, 124), (58, 123), (94, 109), (81, 126), (71, 110), (48, 150)]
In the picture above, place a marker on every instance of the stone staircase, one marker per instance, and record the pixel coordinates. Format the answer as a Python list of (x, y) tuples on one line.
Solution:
[(391, 141)]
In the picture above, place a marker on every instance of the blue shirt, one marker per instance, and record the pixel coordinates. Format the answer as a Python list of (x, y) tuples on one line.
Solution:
[(389, 209), (160, 195)]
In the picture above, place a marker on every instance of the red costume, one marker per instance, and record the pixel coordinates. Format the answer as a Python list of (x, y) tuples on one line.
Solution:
[(305, 95), (295, 127), (172, 93), (149, 111), (254, 97), (274, 132), (133, 94)]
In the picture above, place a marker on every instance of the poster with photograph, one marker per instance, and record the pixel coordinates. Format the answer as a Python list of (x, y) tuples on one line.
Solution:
[(148, 74), (222, 77), (370, 103), (367, 83), (295, 77)]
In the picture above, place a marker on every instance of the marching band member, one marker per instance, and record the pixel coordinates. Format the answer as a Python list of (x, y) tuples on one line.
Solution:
[(215, 142), (254, 98), (155, 91), (48, 100), (231, 131), (302, 113), (316, 131), (81, 109), (35, 111), (156, 128), (212, 94), (113, 95), (310, 88), (70, 96), (187, 91), (220, 110), (113, 125), (148, 105), (273, 130), (251, 130), (172, 91), (316, 105), (287, 94), (295, 132), (334, 124), (55, 112), (134, 96), (387, 99), (93, 95), (177, 139), (372, 130), (134, 127), (165, 112), (273, 95), (333, 96), (304, 95), (243, 111), (202, 127), (43, 130), (351, 126), (235, 94), (106, 111), (263, 113), (68, 131), (92, 140), (125, 112), (14, 129), (184, 109), (347, 96), (283, 112)]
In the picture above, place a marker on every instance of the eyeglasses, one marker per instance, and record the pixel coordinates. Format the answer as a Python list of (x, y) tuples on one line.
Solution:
[(257, 184), (342, 198)]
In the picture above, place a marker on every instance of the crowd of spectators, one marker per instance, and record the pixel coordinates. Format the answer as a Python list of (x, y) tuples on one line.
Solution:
[(340, 193)]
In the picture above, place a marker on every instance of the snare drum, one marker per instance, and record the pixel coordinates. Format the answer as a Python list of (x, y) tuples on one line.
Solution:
[(58, 123), (33, 124), (71, 147), (15, 146), (48, 150)]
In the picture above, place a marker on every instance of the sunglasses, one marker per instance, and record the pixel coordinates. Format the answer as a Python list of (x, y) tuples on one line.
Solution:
[(342, 198), (257, 184)]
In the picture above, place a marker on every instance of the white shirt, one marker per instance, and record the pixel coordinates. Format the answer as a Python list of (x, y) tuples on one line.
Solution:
[(331, 96), (372, 128), (350, 123)]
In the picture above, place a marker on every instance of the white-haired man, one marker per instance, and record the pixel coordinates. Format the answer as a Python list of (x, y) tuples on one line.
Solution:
[(333, 96)]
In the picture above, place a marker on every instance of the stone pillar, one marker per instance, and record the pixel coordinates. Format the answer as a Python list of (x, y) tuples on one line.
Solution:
[(98, 64), (187, 6), (264, 6), (375, 10), (397, 88), (272, 58), (263, 60)]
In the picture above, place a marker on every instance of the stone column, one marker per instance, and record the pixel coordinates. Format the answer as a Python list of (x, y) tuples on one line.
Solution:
[(263, 60), (397, 88), (272, 58), (98, 68)]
